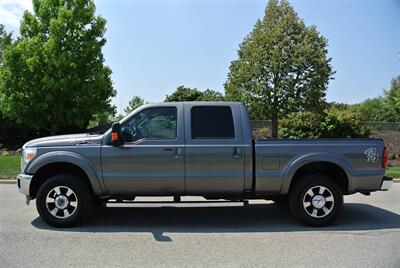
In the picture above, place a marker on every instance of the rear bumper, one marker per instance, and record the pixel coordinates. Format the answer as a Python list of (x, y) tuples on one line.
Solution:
[(387, 183), (23, 183)]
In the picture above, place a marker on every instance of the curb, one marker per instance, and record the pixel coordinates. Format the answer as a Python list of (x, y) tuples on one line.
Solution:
[(8, 181)]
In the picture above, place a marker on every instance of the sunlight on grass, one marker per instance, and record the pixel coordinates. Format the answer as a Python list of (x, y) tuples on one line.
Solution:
[(9, 166), (393, 172)]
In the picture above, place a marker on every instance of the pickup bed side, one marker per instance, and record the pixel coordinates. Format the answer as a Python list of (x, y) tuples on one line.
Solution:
[(278, 162)]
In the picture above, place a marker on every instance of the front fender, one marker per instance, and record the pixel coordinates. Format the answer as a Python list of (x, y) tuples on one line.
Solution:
[(66, 157), (305, 159)]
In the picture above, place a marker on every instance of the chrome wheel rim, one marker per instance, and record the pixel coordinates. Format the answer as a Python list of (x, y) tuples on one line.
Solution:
[(318, 201), (61, 202)]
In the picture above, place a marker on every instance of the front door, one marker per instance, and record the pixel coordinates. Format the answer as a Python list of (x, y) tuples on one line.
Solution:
[(151, 160), (214, 152)]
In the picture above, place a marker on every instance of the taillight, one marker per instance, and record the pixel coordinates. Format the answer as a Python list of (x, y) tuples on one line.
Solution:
[(385, 158)]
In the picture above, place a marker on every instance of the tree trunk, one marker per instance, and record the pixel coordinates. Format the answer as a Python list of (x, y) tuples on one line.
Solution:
[(274, 126), (52, 130)]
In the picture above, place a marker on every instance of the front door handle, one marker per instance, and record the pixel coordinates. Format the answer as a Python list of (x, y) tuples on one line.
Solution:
[(237, 152)]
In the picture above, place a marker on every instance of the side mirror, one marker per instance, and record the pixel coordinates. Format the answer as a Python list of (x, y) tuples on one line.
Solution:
[(116, 137)]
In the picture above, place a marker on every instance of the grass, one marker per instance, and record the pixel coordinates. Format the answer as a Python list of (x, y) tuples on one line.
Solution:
[(393, 172), (9, 166)]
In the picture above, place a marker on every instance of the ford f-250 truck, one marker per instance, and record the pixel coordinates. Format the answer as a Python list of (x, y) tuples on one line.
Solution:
[(199, 149)]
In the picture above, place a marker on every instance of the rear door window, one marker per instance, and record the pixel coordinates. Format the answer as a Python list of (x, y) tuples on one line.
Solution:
[(212, 122)]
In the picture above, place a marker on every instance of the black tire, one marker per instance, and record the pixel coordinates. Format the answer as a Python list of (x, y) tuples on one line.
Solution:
[(78, 204), (305, 200)]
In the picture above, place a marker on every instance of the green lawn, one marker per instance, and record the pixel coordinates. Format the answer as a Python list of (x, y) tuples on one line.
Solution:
[(9, 166), (393, 172)]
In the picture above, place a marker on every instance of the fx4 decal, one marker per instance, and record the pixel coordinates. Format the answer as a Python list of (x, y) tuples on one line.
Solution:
[(371, 155)]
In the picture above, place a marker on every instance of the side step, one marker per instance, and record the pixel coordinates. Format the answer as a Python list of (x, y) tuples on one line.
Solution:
[(155, 204)]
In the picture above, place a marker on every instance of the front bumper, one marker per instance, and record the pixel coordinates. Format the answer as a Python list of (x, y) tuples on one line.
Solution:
[(23, 183), (387, 183)]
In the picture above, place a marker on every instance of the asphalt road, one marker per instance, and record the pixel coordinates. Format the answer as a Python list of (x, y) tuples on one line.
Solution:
[(366, 235)]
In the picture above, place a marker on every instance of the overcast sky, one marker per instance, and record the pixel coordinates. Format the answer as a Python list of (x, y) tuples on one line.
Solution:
[(156, 45)]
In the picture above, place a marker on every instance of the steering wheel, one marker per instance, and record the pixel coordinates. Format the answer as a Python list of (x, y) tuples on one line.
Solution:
[(136, 135)]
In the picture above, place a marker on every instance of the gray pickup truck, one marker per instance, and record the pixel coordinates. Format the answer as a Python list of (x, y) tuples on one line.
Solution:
[(196, 149)]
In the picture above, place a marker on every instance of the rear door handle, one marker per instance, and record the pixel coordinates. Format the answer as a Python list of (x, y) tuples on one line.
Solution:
[(237, 152), (178, 153), (168, 149)]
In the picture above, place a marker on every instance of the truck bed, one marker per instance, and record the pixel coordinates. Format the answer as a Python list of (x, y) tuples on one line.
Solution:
[(277, 160)]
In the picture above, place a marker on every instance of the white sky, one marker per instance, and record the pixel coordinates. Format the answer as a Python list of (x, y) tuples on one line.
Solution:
[(11, 11)]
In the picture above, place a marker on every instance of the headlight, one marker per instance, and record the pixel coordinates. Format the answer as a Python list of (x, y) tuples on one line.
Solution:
[(28, 154)]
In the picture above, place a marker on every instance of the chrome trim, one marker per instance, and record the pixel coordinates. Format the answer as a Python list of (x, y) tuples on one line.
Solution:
[(24, 183), (387, 183)]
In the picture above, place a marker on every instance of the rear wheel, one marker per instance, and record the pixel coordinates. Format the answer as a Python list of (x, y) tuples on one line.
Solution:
[(316, 200), (64, 200)]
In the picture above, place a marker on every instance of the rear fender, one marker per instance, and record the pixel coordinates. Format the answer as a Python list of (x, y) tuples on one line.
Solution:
[(298, 162)]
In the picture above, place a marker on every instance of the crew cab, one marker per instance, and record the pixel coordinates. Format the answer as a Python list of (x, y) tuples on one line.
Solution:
[(196, 149)]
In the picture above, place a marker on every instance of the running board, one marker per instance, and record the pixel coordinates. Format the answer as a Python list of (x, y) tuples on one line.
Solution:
[(139, 204)]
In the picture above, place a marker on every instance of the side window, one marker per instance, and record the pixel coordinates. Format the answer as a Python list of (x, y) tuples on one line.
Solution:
[(158, 123), (212, 122)]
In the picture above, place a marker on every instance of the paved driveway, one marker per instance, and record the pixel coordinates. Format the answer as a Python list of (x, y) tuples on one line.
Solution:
[(366, 235)]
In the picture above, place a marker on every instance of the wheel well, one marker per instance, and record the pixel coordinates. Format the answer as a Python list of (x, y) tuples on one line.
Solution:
[(53, 169), (335, 172)]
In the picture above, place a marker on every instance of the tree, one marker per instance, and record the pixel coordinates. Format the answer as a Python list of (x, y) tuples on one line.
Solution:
[(384, 108), (391, 104), (134, 103), (5, 41), (183, 93), (54, 77), (211, 95), (282, 66)]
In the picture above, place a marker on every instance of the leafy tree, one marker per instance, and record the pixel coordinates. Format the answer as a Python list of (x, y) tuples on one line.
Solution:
[(183, 93), (390, 105), (385, 108), (394, 87), (372, 109), (339, 106), (5, 41), (282, 66), (211, 95), (134, 103), (54, 77)]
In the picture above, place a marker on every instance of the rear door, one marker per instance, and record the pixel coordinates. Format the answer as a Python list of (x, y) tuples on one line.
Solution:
[(214, 149)]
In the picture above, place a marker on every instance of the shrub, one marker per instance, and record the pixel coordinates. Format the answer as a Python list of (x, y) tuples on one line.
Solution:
[(331, 123), (4, 152), (301, 125), (343, 124)]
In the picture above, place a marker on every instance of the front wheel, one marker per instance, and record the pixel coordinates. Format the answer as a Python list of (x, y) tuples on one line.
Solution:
[(316, 200), (64, 200)]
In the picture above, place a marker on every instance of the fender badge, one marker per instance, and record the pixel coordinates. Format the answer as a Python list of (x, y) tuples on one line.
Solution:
[(371, 155)]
